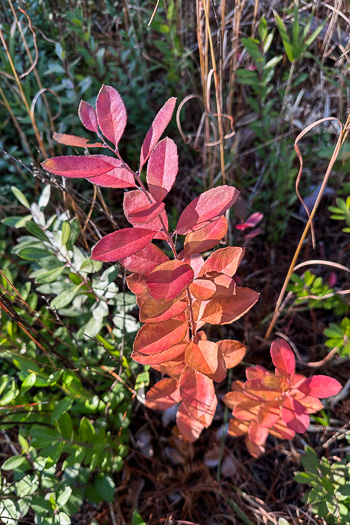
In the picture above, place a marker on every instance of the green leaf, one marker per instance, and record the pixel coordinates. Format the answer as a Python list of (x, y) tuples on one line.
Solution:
[(64, 496), (28, 382), (13, 463), (304, 477), (65, 232), (33, 254), (35, 230), (105, 487), (19, 196), (65, 298), (285, 37), (62, 406), (66, 426), (137, 519), (44, 197), (90, 266)]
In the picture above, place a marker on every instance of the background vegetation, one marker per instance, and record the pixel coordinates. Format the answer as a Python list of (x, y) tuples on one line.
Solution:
[(78, 445)]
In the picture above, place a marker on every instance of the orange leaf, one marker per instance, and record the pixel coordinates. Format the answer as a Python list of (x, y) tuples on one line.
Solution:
[(233, 352), (153, 311), (153, 338), (189, 427), (224, 260), (163, 394), (197, 392), (206, 359), (206, 238), (166, 356), (237, 428), (73, 140), (137, 285), (228, 309), (202, 289)]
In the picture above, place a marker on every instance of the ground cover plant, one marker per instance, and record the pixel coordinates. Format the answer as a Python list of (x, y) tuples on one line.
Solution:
[(164, 357)]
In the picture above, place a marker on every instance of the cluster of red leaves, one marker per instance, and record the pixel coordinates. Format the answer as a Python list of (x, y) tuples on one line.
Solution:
[(178, 296), (278, 403)]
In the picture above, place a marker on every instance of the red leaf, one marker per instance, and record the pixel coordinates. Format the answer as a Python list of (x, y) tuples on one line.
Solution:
[(205, 208), (163, 394), (169, 280), (206, 359), (320, 386), (121, 244), (147, 213), (156, 130), (253, 233), (73, 140), (167, 356), (294, 415), (87, 115), (137, 284), (133, 201), (197, 392), (119, 177), (283, 357), (153, 311), (78, 166), (228, 309), (189, 427), (233, 352), (206, 238), (257, 434), (111, 113), (224, 260), (146, 260), (162, 169), (202, 289), (153, 338)]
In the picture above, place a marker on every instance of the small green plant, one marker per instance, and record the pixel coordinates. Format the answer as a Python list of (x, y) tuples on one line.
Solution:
[(341, 212), (339, 337), (329, 497), (313, 292)]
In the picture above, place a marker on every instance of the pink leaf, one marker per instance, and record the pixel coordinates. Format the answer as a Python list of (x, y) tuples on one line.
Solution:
[(169, 280), (162, 169), (73, 140), (206, 238), (111, 114), (320, 386), (283, 357), (133, 201), (205, 208), (147, 213), (294, 415), (79, 166), (197, 392), (253, 233), (146, 260), (224, 260), (163, 394), (87, 115), (252, 221), (257, 434), (118, 177), (195, 260), (189, 427), (159, 124), (121, 244)]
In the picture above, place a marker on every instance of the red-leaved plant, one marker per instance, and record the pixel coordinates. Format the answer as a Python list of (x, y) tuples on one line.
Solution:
[(278, 403), (177, 296)]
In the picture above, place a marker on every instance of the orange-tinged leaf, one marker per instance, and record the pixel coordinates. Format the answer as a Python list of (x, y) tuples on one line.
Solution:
[(73, 140), (153, 311), (172, 368), (162, 169), (295, 415), (237, 428), (153, 338), (208, 416), (78, 166), (195, 260), (202, 289), (135, 200), (111, 113), (169, 280), (269, 414), (283, 357), (205, 208), (254, 449), (228, 309), (256, 387), (189, 427), (163, 394), (206, 359), (247, 409), (88, 117), (156, 130), (231, 399), (174, 354), (281, 431), (312, 404), (146, 260), (271, 381), (255, 372), (224, 260), (197, 392), (233, 352), (137, 285), (121, 244), (206, 238), (225, 286)]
